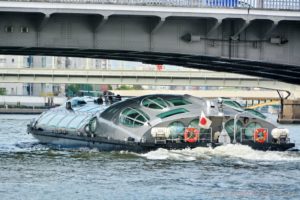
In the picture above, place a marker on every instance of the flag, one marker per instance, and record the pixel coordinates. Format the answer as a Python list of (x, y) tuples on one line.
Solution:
[(204, 122)]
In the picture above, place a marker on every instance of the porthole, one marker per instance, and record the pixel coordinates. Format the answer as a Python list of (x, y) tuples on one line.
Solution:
[(176, 129)]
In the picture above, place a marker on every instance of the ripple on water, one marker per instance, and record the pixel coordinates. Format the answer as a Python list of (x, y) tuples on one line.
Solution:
[(34, 171)]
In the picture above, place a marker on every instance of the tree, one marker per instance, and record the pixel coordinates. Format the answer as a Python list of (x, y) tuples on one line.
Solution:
[(130, 87), (74, 89), (2, 91), (137, 87), (124, 87)]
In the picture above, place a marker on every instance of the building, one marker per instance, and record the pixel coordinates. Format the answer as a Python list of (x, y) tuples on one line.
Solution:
[(43, 89)]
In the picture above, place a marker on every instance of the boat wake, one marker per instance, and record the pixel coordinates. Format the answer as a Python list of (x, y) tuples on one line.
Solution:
[(23, 147), (228, 151), (235, 152)]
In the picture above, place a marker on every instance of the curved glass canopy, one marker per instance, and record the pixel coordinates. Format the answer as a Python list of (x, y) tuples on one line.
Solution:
[(172, 112), (179, 101), (256, 113), (233, 104), (66, 121), (133, 117), (154, 103)]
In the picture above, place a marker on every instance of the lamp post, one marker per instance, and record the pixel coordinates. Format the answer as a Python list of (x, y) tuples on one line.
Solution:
[(234, 125)]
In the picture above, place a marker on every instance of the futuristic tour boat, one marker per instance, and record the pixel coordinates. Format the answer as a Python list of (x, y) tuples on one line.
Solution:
[(156, 121)]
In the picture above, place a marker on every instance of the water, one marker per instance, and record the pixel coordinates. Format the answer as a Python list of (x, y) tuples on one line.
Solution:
[(29, 170)]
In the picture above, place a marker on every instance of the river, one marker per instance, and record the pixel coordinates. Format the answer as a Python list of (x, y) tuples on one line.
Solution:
[(29, 170)]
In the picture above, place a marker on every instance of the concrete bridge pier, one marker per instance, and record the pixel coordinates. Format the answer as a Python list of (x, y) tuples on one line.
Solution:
[(290, 113)]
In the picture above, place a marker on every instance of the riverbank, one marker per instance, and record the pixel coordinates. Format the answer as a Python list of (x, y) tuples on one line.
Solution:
[(30, 101)]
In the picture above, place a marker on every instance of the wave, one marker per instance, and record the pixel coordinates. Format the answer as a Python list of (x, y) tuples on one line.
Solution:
[(226, 151)]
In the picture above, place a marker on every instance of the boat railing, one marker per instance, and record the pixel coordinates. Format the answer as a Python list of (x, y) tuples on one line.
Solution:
[(240, 4), (203, 137), (243, 136)]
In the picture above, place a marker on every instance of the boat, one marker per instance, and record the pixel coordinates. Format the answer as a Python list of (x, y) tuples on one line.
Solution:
[(150, 122)]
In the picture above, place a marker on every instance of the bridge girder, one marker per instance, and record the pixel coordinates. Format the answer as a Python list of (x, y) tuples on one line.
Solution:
[(244, 41), (283, 73)]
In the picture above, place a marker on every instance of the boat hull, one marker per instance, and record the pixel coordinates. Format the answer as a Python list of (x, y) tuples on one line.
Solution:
[(107, 144)]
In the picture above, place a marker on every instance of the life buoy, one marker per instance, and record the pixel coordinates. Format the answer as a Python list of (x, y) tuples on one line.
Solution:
[(260, 135), (191, 135)]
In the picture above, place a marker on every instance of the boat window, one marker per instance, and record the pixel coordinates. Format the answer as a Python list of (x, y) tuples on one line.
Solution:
[(233, 104), (176, 129), (179, 101), (172, 112), (256, 113), (229, 126), (111, 111), (250, 129), (154, 103), (195, 124), (133, 117)]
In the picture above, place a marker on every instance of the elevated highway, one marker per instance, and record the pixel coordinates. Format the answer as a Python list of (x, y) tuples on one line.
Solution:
[(261, 39), (137, 77)]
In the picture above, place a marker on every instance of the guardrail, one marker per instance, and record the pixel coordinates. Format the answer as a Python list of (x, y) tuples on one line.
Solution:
[(248, 4), (18, 72)]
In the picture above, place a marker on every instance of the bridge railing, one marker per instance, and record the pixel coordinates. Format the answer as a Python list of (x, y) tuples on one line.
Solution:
[(249, 4)]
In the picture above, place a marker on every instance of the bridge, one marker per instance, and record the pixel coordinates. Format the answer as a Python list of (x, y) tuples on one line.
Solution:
[(271, 103), (259, 38), (137, 77)]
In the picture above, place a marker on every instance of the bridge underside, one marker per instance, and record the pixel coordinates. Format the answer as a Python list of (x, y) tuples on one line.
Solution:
[(280, 72), (245, 41)]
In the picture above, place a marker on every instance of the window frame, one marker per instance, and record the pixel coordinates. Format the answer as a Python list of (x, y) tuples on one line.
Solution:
[(135, 121), (172, 112), (152, 100)]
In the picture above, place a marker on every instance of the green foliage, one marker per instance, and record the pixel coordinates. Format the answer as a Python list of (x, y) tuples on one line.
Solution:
[(137, 87), (74, 89), (129, 87), (124, 87), (2, 91), (86, 87)]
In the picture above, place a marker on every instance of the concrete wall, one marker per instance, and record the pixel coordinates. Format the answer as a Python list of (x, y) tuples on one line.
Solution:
[(235, 33), (29, 101)]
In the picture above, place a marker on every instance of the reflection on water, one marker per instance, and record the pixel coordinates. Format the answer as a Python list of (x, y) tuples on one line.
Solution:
[(29, 170)]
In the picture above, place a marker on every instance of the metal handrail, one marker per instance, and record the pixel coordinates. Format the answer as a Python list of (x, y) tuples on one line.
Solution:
[(246, 4), (173, 139), (243, 130)]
